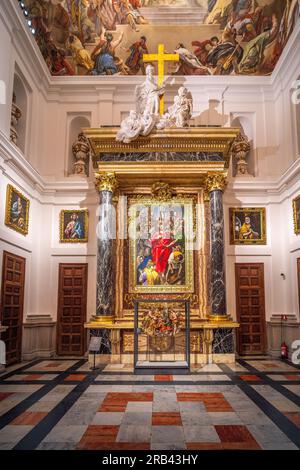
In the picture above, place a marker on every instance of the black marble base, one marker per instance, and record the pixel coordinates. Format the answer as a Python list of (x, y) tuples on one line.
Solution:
[(223, 342)]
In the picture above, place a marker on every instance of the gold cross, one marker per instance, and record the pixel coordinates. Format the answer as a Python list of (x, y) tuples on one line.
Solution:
[(161, 57)]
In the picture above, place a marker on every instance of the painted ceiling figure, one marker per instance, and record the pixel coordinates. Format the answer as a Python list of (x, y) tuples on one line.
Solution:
[(219, 10), (189, 64), (254, 51), (80, 55), (106, 62), (203, 48), (135, 61), (225, 57), (128, 14), (104, 14)]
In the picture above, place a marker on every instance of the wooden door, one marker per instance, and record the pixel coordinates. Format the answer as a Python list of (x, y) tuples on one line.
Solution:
[(12, 301), (71, 315), (250, 304)]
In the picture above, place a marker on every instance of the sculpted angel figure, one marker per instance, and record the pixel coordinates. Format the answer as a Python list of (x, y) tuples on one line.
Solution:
[(131, 128), (179, 114)]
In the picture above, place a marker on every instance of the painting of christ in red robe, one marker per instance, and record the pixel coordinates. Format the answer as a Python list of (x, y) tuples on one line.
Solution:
[(159, 250)]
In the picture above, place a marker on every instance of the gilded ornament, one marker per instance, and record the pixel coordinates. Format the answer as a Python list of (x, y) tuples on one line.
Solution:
[(215, 181), (106, 181)]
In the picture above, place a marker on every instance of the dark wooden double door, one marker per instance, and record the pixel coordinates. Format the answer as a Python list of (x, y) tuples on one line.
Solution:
[(71, 315), (12, 301), (250, 305)]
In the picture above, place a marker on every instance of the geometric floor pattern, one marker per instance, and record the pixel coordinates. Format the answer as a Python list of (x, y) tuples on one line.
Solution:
[(62, 404)]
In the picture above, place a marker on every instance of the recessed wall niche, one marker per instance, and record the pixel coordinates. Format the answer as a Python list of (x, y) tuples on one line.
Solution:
[(19, 113), (246, 125), (76, 123)]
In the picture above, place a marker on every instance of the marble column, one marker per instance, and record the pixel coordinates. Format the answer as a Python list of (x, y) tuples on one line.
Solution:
[(106, 184), (215, 184)]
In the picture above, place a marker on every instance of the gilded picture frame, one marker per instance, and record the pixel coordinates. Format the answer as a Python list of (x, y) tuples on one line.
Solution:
[(296, 214), (16, 210), (74, 226), (151, 255), (247, 226)]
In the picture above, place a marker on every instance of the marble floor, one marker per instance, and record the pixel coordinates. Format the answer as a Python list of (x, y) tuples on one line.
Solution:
[(62, 404)]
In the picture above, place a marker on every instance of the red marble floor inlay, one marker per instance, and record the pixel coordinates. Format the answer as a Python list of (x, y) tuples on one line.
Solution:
[(212, 401), (4, 395), (117, 402), (166, 419), (234, 434), (217, 405), (195, 396), (163, 378), (292, 377), (248, 378), (75, 377), (32, 377), (29, 418), (294, 417), (95, 435)]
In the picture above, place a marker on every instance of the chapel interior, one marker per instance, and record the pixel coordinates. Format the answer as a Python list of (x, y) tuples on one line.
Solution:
[(150, 225)]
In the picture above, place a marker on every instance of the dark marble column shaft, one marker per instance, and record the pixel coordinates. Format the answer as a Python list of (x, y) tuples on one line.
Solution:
[(105, 268), (218, 287)]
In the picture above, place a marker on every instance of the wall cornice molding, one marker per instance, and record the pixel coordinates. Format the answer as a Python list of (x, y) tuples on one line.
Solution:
[(275, 190)]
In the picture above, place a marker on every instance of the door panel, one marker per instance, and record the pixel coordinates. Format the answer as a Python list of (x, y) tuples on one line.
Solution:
[(71, 315), (12, 301), (250, 304)]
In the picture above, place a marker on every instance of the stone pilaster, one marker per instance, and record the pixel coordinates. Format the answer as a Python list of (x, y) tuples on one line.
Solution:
[(215, 185)]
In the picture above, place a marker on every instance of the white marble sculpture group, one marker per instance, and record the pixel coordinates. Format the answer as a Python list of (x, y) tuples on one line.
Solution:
[(147, 117)]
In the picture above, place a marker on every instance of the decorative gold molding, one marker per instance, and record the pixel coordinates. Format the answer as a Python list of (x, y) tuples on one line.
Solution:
[(104, 319), (193, 139), (219, 318), (106, 181), (296, 215), (216, 181), (162, 192)]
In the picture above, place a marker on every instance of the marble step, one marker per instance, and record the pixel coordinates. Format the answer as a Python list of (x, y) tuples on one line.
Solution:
[(174, 15)]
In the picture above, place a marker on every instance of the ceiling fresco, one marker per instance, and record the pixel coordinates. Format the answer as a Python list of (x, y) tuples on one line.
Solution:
[(212, 37)]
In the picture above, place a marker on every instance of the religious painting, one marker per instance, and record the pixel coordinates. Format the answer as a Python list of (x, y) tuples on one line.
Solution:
[(161, 246), (74, 226), (17, 210), (212, 37), (248, 226), (296, 214)]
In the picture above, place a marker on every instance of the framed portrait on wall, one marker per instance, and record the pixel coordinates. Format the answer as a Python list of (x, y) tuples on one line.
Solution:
[(248, 226), (161, 245), (17, 210), (74, 226), (296, 214)]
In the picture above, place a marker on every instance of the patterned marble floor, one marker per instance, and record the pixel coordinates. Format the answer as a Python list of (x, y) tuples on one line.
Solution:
[(62, 404)]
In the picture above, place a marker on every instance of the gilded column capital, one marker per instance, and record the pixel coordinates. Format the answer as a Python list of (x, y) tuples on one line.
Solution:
[(215, 181), (106, 181)]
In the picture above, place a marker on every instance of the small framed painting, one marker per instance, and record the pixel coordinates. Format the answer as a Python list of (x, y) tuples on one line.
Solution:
[(248, 226), (17, 210), (296, 212), (74, 226)]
